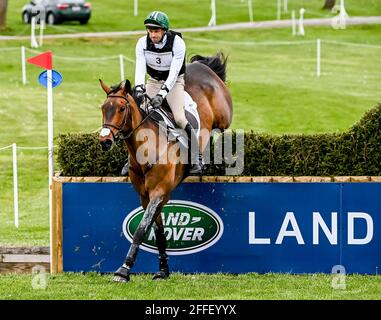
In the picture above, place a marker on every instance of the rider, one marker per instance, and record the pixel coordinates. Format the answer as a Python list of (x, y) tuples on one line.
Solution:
[(161, 54)]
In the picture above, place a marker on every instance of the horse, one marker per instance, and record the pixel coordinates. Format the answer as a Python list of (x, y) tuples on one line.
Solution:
[(122, 118)]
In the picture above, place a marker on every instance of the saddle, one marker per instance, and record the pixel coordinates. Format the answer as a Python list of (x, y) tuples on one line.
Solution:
[(164, 118)]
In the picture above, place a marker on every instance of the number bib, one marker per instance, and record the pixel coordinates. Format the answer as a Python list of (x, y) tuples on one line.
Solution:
[(158, 61)]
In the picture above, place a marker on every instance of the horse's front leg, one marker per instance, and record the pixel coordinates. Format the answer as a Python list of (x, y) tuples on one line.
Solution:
[(161, 243), (154, 207)]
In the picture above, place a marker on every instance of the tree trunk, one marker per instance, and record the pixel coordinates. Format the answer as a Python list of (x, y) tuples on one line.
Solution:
[(329, 4), (3, 13)]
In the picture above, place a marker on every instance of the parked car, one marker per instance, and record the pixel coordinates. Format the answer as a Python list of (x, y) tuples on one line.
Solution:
[(57, 11)]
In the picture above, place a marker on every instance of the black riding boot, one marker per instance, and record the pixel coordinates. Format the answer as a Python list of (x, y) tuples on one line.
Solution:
[(194, 156)]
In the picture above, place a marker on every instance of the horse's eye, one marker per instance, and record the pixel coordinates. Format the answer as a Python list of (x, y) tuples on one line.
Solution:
[(122, 109)]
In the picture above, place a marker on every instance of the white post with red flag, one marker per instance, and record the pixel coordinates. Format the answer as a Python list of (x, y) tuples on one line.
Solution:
[(44, 60)]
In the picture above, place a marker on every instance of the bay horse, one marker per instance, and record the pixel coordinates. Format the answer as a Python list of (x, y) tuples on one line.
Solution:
[(123, 118)]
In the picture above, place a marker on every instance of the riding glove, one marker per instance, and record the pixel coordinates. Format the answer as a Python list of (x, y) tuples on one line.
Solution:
[(157, 101), (140, 90)]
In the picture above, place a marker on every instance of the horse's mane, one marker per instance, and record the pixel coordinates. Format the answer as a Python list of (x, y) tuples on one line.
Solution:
[(217, 63)]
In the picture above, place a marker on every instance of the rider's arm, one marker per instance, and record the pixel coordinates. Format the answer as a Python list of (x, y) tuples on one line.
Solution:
[(176, 64), (140, 68)]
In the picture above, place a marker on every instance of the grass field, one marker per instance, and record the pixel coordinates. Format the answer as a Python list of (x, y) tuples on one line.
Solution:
[(274, 87), (275, 90), (112, 16), (199, 286)]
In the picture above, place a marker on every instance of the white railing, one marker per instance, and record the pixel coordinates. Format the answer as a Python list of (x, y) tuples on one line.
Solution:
[(121, 58), (14, 148)]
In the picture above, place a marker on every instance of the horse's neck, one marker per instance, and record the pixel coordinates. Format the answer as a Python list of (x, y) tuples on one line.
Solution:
[(136, 116), (138, 124)]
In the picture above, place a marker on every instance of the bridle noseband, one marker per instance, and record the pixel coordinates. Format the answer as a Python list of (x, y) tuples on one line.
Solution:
[(120, 134)]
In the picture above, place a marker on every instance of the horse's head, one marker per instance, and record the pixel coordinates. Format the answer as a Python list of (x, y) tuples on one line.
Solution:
[(116, 112)]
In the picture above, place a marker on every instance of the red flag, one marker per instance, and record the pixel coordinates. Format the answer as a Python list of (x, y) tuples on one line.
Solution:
[(43, 60)]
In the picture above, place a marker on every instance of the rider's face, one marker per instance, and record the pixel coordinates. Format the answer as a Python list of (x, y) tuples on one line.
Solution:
[(155, 34)]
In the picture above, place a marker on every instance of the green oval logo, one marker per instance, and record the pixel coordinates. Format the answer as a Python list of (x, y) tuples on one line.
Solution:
[(188, 226)]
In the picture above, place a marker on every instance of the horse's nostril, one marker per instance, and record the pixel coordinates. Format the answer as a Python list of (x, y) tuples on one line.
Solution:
[(106, 145)]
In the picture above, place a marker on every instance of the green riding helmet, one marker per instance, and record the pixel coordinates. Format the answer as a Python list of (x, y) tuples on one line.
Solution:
[(157, 19)]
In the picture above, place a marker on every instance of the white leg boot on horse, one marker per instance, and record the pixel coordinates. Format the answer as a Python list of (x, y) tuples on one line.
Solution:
[(153, 209)]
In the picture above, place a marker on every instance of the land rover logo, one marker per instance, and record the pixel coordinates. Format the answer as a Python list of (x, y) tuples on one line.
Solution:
[(188, 226)]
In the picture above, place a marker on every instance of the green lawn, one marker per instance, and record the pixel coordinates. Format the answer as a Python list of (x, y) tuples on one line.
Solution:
[(274, 87), (199, 286), (275, 90), (111, 15)]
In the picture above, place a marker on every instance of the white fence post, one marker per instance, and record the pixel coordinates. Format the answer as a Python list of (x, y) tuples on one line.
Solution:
[(135, 8), (213, 19), (250, 5), (33, 41), (301, 23), (279, 5), (121, 64), (318, 58), (285, 9), (23, 65), (15, 185), (293, 18), (42, 27), (339, 21)]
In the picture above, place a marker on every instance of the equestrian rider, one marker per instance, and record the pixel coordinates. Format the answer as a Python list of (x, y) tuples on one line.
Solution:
[(161, 54)]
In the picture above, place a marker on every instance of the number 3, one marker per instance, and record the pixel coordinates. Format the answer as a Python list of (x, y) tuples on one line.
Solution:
[(158, 60)]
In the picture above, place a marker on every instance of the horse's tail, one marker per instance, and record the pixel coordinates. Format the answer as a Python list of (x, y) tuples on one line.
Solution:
[(217, 63)]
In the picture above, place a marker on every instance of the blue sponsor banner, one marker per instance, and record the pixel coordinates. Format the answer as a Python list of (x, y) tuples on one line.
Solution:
[(229, 227)]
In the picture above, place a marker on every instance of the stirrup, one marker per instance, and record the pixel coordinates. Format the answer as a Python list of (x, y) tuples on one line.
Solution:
[(124, 172), (195, 169)]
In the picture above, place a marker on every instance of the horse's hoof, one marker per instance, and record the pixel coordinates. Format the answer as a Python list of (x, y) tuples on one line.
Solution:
[(121, 275), (120, 279), (161, 275)]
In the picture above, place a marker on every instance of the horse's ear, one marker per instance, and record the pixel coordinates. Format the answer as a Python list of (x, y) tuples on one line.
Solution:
[(105, 87), (127, 86)]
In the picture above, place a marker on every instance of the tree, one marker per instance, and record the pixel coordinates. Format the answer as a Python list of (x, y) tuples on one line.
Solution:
[(3, 13), (329, 4)]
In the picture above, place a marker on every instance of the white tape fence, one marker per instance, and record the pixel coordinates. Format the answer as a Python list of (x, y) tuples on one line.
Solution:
[(14, 148), (318, 43)]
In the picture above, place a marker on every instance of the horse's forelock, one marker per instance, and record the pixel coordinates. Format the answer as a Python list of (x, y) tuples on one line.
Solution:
[(115, 88), (124, 85)]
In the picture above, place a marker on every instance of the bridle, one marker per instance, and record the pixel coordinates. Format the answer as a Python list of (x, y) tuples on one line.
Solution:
[(121, 134)]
